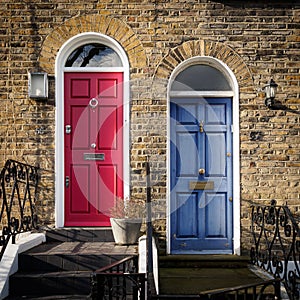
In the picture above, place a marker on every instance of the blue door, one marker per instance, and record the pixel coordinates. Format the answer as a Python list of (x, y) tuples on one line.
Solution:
[(201, 175)]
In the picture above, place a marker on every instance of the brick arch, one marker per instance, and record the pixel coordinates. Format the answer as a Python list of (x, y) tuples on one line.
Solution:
[(109, 26), (206, 48)]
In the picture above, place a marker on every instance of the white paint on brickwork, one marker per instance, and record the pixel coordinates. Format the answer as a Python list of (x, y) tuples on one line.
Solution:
[(143, 259), (62, 56), (9, 261), (234, 93)]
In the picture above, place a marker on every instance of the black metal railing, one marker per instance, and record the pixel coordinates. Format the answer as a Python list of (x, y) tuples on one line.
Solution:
[(119, 280), (18, 186), (276, 244)]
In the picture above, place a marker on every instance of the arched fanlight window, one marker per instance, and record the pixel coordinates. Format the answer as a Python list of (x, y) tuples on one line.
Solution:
[(94, 55), (200, 77)]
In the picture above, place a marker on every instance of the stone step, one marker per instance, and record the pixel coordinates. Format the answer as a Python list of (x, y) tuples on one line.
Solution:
[(52, 283), (103, 234), (63, 269), (72, 256), (203, 261), (193, 281)]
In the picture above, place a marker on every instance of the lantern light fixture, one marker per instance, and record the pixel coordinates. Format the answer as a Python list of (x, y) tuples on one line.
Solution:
[(270, 90), (38, 85)]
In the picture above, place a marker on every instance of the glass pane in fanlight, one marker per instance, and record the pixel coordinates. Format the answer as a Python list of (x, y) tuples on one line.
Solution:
[(94, 55), (200, 77)]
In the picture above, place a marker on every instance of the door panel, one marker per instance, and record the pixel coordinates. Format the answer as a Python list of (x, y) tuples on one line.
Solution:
[(83, 176), (108, 117), (109, 175), (215, 225), (80, 87), (187, 216), (80, 119), (107, 88), (215, 154), (188, 164), (93, 147), (201, 175)]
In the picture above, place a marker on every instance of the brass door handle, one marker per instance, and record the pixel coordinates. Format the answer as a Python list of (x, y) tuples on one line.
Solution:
[(201, 171)]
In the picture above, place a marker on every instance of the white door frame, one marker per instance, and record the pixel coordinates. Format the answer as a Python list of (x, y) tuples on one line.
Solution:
[(234, 94), (62, 56)]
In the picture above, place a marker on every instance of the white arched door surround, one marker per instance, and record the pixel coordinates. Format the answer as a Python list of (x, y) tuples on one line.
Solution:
[(62, 56), (233, 93)]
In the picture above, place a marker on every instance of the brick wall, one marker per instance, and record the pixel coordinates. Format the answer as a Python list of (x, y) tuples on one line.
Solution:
[(257, 40)]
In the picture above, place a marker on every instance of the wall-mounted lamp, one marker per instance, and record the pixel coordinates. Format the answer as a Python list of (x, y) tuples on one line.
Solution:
[(270, 90), (38, 85)]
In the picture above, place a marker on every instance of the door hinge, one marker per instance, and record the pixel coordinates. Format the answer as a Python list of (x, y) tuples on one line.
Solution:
[(231, 126), (230, 199)]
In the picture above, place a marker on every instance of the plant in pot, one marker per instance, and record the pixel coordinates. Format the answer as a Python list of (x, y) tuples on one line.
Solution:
[(126, 219)]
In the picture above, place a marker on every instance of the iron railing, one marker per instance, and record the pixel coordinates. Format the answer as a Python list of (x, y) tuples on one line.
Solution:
[(119, 280), (18, 186), (276, 248)]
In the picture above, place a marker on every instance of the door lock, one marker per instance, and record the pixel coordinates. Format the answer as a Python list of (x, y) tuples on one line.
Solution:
[(67, 182), (93, 145), (68, 129)]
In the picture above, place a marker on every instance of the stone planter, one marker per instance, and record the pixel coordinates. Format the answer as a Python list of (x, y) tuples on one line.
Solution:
[(126, 231)]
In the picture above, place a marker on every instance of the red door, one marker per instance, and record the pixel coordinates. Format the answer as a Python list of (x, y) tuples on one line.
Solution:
[(93, 146)]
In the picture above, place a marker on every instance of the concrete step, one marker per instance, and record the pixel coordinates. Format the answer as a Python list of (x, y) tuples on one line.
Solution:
[(63, 269), (187, 276), (203, 261), (72, 256), (103, 234), (193, 281), (53, 283)]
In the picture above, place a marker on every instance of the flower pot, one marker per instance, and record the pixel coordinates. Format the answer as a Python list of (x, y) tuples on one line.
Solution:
[(126, 231)]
